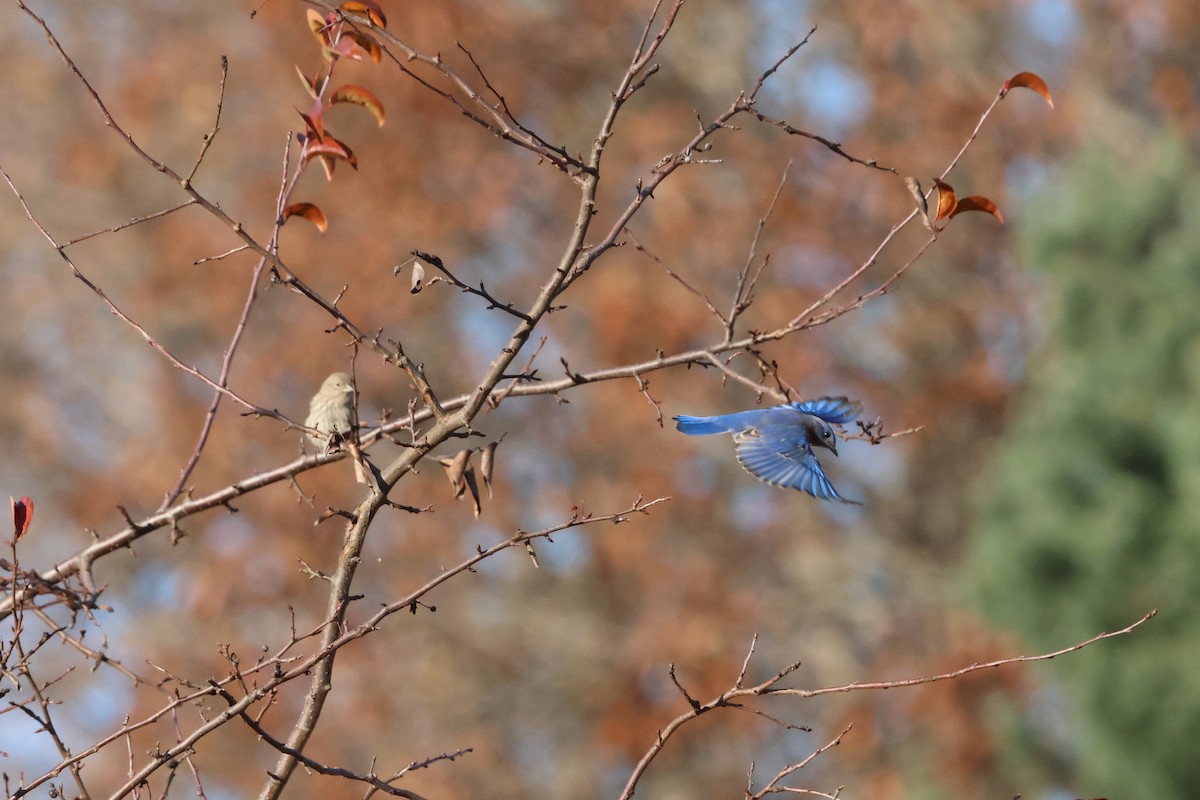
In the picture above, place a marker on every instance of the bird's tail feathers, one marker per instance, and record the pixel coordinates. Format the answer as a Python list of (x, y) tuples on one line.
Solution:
[(702, 426)]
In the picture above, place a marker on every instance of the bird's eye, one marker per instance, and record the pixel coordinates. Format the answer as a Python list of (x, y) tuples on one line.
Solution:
[(827, 434)]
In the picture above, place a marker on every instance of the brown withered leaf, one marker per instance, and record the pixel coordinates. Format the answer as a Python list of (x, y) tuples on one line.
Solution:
[(368, 7), (946, 200), (1031, 81), (361, 96), (455, 469), (22, 511), (310, 212), (461, 474), (469, 480), (487, 462), (977, 203)]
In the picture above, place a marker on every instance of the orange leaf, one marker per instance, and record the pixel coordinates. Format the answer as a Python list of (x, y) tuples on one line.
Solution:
[(368, 7), (359, 96), (318, 25), (22, 511), (977, 203), (368, 45), (946, 200), (1029, 80), (310, 212)]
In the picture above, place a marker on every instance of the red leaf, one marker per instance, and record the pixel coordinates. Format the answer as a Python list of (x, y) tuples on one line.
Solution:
[(977, 203), (359, 96), (329, 147), (22, 514), (1031, 81), (314, 126), (346, 46), (946, 200), (368, 7), (308, 211)]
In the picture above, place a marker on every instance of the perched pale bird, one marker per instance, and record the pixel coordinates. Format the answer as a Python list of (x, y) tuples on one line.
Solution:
[(331, 409), (776, 444)]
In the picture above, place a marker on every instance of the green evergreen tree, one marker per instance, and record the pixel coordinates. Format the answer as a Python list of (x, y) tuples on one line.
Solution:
[(1091, 513)]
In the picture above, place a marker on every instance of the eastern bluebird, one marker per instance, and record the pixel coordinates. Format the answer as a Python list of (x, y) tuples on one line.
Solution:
[(775, 444)]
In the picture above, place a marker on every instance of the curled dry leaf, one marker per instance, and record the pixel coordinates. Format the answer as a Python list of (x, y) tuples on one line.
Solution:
[(1031, 81), (977, 203), (22, 511), (455, 469), (469, 480), (946, 200), (418, 275), (367, 7), (361, 96), (461, 474), (487, 462), (310, 212)]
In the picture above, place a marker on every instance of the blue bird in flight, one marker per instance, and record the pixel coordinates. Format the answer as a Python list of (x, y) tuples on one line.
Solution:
[(776, 444)]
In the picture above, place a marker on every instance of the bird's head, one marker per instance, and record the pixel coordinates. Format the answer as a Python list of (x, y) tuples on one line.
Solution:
[(821, 435), (337, 383)]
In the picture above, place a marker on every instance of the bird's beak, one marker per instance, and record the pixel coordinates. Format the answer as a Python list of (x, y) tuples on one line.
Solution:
[(833, 446)]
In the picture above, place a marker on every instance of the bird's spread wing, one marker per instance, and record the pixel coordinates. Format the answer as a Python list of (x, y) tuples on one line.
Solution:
[(794, 468), (834, 410)]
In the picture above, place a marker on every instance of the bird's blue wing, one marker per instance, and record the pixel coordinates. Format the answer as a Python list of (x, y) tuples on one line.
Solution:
[(794, 468), (834, 410), (725, 423)]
